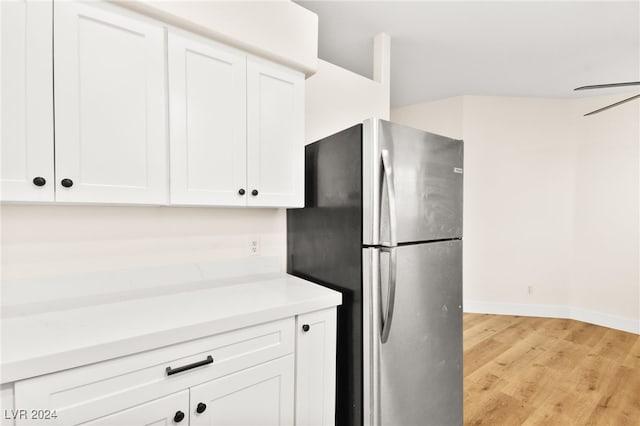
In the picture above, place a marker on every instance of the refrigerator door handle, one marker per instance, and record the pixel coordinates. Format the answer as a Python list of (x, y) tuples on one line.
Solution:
[(387, 318), (391, 195)]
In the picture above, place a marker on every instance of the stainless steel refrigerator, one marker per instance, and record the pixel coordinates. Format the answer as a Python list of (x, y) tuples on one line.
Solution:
[(382, 223)]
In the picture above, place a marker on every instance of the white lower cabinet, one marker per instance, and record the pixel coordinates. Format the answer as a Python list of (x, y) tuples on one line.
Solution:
[(263, 375), (316, 368), (171, 409), (260, 396)]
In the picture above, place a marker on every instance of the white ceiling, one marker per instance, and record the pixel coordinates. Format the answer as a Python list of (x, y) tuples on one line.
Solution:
[(442, 49)]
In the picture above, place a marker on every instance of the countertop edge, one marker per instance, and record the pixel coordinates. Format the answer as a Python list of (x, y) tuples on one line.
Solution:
[(32, 367)]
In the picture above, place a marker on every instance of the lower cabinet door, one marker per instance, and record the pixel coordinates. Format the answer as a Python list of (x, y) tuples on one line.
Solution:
[(170, 410), (258, 396), (316, 368)]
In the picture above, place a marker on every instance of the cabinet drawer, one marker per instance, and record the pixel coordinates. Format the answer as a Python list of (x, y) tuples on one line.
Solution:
[(86, 393)]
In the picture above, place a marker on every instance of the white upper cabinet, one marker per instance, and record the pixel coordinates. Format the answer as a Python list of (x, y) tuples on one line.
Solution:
[(237, 127), (27, 101), (235, 130), (275, 135), (110, 109), (207, 84)]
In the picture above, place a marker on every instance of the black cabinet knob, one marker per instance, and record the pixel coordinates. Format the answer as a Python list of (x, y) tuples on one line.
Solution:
[(67, 183), (254, 192), (39, 181), (201, 407), (179, 416), (241, 191), (305, 327)]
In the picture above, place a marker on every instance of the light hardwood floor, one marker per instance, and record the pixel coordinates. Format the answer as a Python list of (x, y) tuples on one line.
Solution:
[(543, 371)]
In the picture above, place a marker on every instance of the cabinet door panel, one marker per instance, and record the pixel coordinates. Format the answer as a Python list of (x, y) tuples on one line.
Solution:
[(207, 84), (27, 100), (316, 368), (159, 412), (110, 106), (275, 135), (258, 396)]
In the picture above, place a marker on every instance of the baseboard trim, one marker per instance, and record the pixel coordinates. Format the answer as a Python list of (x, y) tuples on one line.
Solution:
[(629, 325)]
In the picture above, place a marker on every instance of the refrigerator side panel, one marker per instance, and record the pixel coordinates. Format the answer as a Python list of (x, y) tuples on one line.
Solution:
[(324, 245), (426, 184), (420, 365)]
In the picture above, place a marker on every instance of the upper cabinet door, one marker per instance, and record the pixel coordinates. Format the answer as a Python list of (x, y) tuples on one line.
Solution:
[(207, 84), (275, 135), (27, 101), (110, 106)]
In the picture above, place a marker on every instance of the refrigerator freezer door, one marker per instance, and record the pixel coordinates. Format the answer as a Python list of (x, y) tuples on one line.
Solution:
[(417, 375), (419, 172)]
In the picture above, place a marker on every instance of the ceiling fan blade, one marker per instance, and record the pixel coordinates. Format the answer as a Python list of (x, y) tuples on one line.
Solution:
[(602, 86), (613, 105)]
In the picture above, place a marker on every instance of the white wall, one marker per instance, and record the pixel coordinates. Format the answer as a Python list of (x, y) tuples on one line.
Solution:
[(47, 240), (443, 116), (337, 98), (57, 240), (518, 186), (606, 208), (545, 205)]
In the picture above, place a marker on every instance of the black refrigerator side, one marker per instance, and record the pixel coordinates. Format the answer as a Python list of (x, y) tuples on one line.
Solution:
[(324, 245)]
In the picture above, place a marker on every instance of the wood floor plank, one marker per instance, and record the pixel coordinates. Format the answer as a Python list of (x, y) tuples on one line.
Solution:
[(514, 359), (482, 353), (562, 355), (620, 400), (532, 384), (498, 409), (544, 371), (615, 345), (489, 326), (586, 334), (476, 319), (633, 357), (561, 408), (592, 376)]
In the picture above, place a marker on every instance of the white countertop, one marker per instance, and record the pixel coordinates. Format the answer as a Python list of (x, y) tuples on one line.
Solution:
[(41, 343)]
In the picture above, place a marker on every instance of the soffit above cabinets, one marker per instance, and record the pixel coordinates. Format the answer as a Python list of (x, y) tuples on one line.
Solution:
[(280, 31)]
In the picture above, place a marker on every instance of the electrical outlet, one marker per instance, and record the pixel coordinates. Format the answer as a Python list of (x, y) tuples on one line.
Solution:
[(530, 290), (254, 246)]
